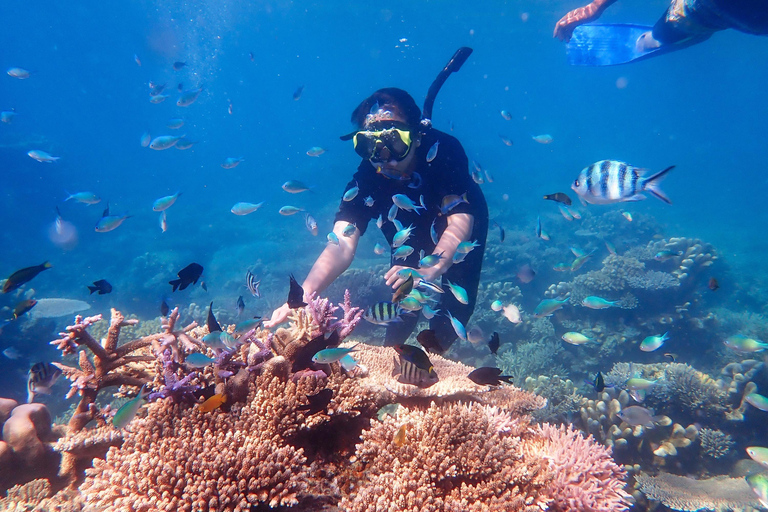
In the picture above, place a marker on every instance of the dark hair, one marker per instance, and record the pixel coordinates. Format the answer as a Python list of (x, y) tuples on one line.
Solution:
[(394, 99)]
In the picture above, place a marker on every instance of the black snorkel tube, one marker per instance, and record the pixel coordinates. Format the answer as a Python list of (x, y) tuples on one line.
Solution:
[(458, 60)]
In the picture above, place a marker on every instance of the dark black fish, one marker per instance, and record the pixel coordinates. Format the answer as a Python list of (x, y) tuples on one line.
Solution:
[(187, 276), (240, 305), (22, 307), (164, 308), (23, 275), (180, 87), (429, 341), (101, 286), (317, 402), (403, 290), (672, 356), (713, 284), (494, 343), (297, 93), (488, 376), (295, 295), (599, 383), (211, 322), (178, 65), (302, 359), (501, 231), (559, 197), (414, 367)]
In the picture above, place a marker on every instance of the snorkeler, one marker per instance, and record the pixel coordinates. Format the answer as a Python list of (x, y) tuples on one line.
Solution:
[(685, 23), (408, 169)]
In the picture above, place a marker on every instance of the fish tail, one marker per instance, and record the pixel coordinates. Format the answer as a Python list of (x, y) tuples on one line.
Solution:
[(47, 264), (506, 378), (651, 184), (175, 283), (92, 289)]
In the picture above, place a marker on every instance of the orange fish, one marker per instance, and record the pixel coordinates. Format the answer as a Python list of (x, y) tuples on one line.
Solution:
[(399, 437), (213, 403)]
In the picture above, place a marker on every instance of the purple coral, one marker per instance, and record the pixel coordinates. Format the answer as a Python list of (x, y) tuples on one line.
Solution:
[(322, 312), (179, 390)]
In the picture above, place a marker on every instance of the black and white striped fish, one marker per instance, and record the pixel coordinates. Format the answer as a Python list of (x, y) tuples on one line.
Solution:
[(383, 313), (611, 181), (252, 284), (414, 367)]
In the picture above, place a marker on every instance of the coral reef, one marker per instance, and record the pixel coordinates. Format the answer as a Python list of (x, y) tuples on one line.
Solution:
[(284, 432), (688, 494), (563, 400), (26, 446), (715, 443)]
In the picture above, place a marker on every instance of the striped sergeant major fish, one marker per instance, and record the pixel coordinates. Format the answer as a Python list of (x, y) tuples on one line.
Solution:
[(414, 367), (41, 379), (383, 313), (611, 181)]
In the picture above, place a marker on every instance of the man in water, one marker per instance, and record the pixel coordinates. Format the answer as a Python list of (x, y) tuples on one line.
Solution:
[(395, 151), (685, 22)]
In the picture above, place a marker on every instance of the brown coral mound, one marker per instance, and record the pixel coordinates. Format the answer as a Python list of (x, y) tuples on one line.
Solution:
[(453, 383), (181, 459), (453, 458)]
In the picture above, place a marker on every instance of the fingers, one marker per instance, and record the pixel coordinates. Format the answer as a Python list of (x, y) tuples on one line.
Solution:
[(278, 316)]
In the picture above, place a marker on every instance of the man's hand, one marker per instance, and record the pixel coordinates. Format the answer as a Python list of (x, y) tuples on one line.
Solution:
[(564, 27), (393, 280), (279, 316)]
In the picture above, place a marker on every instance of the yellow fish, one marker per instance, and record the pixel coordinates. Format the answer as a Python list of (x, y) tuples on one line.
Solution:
[(213, 403), (399, 438)]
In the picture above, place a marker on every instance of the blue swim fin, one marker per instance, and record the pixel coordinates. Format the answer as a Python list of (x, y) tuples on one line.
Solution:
[(606, 45)]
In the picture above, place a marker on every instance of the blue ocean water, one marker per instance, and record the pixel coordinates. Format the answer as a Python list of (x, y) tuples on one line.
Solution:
[(702, 109)]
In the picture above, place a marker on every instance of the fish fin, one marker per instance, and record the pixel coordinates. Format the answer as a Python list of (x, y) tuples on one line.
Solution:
[(651, 184), (636, 197), (175, 283)]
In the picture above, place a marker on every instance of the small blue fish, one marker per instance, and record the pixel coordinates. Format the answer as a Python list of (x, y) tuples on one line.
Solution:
[(290, 210), (548, 306), (368, 201), (543, 139), (348, 363), (332, 238), (466, 247), (350, 194), (294, 187), (246, 325), (164, 142), (459, 292), (430, 260), (402, 236), (331, 355), (315, 151), (198, 360), (84, 197), (128, 411), (188, 97), (402, 252), (451, 201), (109, 222), (165, 202), (392, 213), (379, 249), (433, 232), (540, 231), (232, 162), (458, 327), (349, 230), (428, 312), (404, 203), (175, 124), (245, 208), (651, 343), (432, 153), (594, 302)]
